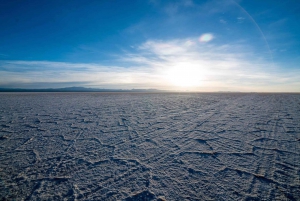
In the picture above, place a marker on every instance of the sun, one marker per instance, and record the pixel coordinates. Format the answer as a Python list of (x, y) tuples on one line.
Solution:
[(184, 76)]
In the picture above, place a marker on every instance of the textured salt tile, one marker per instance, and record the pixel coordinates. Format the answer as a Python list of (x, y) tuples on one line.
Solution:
[(97, 146)]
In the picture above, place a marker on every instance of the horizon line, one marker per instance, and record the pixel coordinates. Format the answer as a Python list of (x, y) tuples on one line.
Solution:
[(132, 90)]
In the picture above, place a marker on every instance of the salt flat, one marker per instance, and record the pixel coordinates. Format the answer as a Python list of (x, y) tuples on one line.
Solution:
[(121, 146)]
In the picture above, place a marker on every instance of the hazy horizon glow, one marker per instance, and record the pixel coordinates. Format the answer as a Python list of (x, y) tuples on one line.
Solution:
[(187, 45)]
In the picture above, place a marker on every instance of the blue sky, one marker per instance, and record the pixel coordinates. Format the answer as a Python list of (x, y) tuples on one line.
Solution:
[(216, 45)]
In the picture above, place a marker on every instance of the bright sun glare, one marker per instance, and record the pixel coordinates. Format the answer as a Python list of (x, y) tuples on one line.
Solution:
[(184, 76)]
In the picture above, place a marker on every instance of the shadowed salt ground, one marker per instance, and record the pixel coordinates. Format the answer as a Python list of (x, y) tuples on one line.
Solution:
[(97, 146)]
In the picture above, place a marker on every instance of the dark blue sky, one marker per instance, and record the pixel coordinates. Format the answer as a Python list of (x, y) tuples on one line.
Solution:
[(181, 45)]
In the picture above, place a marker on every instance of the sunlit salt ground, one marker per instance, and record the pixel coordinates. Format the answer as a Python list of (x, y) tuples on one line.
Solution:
[(97, 146)]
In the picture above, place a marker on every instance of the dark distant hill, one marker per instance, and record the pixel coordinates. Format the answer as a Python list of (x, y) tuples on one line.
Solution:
[(76, 89)]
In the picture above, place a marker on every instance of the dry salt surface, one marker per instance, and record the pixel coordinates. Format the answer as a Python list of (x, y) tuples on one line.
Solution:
[(121, 146)]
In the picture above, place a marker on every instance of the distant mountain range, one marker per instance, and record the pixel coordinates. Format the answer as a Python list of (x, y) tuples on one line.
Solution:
[(77, 89)]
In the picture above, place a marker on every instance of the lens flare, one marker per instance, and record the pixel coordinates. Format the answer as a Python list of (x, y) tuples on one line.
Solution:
[(206, 37)]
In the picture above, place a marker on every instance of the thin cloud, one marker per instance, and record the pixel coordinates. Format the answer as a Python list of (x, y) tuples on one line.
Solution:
[(240, 20), (222, 21)]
